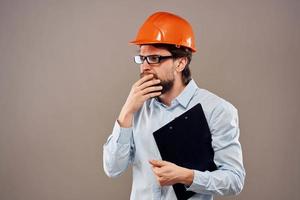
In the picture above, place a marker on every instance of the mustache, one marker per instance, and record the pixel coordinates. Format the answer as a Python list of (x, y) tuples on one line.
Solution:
[(147, 73), (166, 84)]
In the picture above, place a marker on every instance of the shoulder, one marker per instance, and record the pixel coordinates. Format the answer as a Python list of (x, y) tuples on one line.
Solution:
[(215, 106)]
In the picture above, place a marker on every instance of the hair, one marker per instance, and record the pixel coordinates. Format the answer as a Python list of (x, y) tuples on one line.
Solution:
[(179, 52)]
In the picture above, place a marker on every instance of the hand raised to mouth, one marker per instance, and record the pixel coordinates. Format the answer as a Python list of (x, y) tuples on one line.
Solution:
[(145, 88)]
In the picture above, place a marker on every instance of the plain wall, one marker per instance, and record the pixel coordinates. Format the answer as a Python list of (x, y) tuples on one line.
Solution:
[(66, 69)]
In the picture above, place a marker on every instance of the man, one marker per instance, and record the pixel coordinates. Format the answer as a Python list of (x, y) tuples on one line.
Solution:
[(165, 92)]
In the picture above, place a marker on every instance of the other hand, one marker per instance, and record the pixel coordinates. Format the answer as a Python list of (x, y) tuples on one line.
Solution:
[(168, 173)]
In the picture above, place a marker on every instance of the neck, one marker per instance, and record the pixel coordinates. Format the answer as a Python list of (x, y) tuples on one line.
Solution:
[(167, 97)]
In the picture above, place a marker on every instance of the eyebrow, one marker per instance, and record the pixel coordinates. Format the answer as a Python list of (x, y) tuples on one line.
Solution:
[(150, 55)]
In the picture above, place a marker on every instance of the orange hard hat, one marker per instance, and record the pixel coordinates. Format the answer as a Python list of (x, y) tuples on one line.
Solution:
[(166, 28)]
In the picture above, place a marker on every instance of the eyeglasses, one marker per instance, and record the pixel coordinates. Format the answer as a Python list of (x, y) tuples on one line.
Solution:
[(151, 59)]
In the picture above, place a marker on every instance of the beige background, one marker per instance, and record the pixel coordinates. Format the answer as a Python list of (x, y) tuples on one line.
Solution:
[(66, 69)]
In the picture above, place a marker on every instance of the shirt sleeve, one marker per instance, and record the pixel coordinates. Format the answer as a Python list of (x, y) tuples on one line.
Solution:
[(118, 151), (229, 177)]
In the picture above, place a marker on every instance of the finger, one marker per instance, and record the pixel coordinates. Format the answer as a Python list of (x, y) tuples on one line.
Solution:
[(152, 162), (152, 89), (163, 181), (157, 163), (151, 95), (157, 172), (149, 83), (159, 180), (144, 79)]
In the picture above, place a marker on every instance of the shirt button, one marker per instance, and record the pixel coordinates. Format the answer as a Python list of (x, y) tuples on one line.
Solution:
[(186, 117), (170, 127)]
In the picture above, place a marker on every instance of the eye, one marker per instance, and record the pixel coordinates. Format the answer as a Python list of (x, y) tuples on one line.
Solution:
[(153, 59)]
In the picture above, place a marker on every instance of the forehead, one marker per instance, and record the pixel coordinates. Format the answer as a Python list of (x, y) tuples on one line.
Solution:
[(151, 50)]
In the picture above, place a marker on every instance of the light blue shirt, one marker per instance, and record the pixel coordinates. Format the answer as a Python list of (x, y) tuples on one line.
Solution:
[(136, 146)]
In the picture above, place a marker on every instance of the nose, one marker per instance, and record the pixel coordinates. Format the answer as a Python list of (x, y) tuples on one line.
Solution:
[(145, 67)]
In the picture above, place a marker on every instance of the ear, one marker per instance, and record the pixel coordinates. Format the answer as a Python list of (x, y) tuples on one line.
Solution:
[(180, 65)]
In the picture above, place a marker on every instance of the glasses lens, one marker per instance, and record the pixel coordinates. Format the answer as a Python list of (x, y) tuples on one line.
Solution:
[(153, 59), (138, 59)]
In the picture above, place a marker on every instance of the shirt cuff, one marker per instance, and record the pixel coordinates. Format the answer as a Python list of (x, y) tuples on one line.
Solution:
[(200, 181), (124, 135)]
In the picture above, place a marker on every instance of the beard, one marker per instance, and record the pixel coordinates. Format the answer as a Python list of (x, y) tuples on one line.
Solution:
[(166, 84)]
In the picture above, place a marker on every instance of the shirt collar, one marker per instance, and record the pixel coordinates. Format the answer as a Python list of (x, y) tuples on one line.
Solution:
[(187, 93), (184, 97)]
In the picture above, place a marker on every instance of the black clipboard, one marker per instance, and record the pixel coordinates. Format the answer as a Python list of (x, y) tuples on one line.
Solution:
[(186, 142)]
